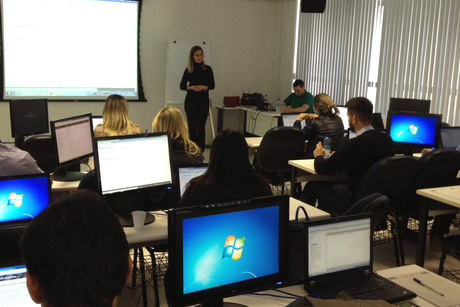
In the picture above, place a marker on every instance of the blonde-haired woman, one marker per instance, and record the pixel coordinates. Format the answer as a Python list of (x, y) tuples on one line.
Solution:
[(115, 120), (184, 151), (197, 80), (325, 121)]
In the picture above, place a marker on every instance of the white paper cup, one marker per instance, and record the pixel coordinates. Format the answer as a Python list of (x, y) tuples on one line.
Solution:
[(138, 219)]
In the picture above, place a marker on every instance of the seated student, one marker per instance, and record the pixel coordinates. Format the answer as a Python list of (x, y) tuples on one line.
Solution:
[(76, 253), (323, 122), (229, 177), (354, 158), (115, 120), (299, 101), (184, 151), (14, 161)]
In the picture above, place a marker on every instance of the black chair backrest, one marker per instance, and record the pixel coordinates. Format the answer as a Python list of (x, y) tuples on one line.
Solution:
[(89, 182), (375, 203), (438, 168), (393, 177), (278, 146), (41, 148)]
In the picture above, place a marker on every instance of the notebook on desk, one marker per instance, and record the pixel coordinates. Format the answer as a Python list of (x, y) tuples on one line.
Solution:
[(339, 259)]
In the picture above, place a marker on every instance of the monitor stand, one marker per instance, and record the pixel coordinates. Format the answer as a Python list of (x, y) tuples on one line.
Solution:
[(127, 220), (62, 174)]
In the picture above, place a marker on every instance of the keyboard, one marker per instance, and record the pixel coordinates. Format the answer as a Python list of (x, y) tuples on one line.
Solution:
[(353, 287)]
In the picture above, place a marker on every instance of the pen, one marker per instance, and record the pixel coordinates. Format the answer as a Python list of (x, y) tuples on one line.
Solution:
[(426, 286)]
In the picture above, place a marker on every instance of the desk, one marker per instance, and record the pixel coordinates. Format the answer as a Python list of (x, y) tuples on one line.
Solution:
[(404, 275), (259, 122), (308, 165), (254, 142), (447, 195)]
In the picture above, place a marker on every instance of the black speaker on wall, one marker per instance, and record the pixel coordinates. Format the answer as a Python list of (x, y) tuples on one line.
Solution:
[(312, 6)]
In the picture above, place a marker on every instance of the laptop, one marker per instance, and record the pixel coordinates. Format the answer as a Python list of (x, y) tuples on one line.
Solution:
[(450, 137), (343, 115), (187, 172), (13, 287), (288, 119), (339, 259)]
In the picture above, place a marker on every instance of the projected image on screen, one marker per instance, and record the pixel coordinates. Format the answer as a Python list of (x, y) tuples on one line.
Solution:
[(70, 49), (227, 248), (413, 129)]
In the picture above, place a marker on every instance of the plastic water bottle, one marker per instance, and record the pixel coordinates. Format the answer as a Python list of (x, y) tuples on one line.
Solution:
[(278, 105), (327, 146)]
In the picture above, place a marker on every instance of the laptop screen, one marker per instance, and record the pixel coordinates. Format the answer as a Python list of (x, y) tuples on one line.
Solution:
[(97, 120), (23, 197), (450, 137), (186, 173), (339, 244), (343, 115), (289, 119), (13, 287)]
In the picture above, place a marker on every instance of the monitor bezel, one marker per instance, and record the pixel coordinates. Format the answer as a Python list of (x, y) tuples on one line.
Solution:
[(24, 222), (413, 114), (419, 105), (53, 136), (15, 121), (175, 246), (134, 190)]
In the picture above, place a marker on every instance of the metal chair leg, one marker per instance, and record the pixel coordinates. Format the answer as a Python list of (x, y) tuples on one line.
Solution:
[(154, 276)]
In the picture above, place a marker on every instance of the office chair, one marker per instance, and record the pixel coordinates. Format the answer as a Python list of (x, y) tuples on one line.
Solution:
[(393, 177), (42, 149), (278, 146), (438, 168), (450, 245), (89, 181), (375, 203)]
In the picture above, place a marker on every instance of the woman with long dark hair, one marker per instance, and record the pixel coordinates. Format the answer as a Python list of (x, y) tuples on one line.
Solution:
[(229, 177), (197, 80)]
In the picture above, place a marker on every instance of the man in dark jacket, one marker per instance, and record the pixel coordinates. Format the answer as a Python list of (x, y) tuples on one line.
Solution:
[(354, 158)]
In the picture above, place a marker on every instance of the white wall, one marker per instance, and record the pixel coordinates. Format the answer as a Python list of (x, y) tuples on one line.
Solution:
[(252, 47)]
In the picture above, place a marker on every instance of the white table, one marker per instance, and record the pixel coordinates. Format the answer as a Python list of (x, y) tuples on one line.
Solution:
[(404, 275), (254, 142), (259, 122), (448, 195), (308, 165)]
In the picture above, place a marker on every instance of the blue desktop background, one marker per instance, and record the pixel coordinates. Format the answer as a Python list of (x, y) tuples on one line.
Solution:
[(35, 199), (204, 241), (426, 134)]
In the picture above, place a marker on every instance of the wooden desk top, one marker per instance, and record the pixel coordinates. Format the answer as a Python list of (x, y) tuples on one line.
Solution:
[(447, 195)]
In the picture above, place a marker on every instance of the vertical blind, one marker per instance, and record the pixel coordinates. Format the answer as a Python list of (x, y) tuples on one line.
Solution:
[(334, 48), (420, 55)]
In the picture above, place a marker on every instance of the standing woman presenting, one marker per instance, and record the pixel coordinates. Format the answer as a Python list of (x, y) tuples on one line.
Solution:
[(198, 80)]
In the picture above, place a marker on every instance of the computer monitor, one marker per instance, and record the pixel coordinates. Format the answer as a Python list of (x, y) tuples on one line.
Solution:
[(377, 121), (450, 137), (411, 129), (131, 164), (409, 105), (343, 115), (72, 138), (28, 117), (186, 173), (288, 119), (97, 120), (224, 250), (22, 198)]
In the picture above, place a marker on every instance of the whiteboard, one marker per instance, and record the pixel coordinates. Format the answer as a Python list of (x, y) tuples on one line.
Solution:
[(176, 62)]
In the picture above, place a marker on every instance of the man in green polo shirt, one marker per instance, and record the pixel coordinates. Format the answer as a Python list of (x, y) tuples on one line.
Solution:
[(300, 101)]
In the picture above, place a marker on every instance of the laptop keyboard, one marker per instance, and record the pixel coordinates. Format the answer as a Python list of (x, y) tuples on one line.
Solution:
[(353, 287)]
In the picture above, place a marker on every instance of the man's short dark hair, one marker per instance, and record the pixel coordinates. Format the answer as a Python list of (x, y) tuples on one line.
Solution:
[(298, 82), (77, 251), (361, 107)]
